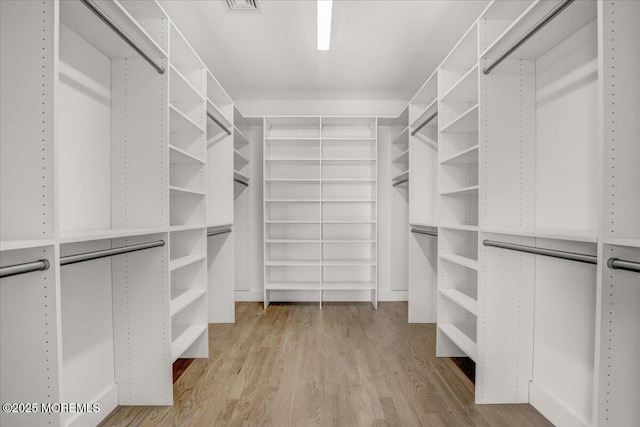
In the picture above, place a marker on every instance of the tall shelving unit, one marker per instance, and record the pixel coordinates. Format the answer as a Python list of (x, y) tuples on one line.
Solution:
[(187, 198), (320, 207), (242, 199), (459, 192)]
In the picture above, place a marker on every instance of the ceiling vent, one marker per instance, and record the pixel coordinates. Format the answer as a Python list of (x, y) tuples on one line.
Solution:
[(242, 4)]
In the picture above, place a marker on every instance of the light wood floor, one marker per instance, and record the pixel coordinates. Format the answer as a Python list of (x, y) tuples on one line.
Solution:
[(344, 365)]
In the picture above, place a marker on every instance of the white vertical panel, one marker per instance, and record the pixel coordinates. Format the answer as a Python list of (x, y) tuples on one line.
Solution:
[(220, 254), (30, 345), (142, 324), (423, 266), (28, 71)]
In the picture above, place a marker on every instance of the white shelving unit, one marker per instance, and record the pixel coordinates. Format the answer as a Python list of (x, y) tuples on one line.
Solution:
[(320, 208)]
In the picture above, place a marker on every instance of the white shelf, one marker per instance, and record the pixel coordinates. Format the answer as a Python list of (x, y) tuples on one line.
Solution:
[(631, 243), (181, 89), (461, 260), (293, 241), (348, 222), (239, 140), (348, 201), (185, 261), (238, 175), (178, 228), (467, 122), (215, 112), (292, 222), (346, 262), (468, 302), (424, 224), (347, 241), (403, 138), (295, 263), (89, 235), (403, 175), (348, 286), (292, 201), (461, 191), (425, 114), (293, 139), (568, 235), (215, 92), (300, 286), (184, 299), (183, 337), (464, 336), (309, 160), (10, 245), (460, 227), (402, 158), (468, 156), (465, 89), (348, 139), (181, 191), (292, 180), (179, 122), (220, 225), (345, 180), (180, 156), (239, 159)]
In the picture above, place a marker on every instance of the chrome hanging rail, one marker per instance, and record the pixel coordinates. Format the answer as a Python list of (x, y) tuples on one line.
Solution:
[(572, 256), (541, 23), (219, 123), (239, 181), (116, 29), (402, 181), (88, 256), (428, 233), (28, 267), (620, 264), (216, 233), (423, 124)]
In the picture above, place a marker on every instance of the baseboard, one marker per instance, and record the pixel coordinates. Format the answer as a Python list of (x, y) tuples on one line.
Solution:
[(258, 296), (549, 406), (107, 400)]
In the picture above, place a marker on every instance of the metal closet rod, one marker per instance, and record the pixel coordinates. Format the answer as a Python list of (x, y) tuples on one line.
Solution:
[(124, 36), (219, 123), (88, 256), (239, 181), (428, 233), (423, 124), (541, 23), (215, 233), (621, 264), (27, 267), (571, 256), (402, 181)]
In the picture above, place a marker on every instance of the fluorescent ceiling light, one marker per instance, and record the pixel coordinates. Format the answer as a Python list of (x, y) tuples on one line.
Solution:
[(324, 24)]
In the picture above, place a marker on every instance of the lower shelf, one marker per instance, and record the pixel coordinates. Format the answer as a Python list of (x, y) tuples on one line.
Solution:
[(301, 286), (462, 335), (464, 300), (184, 299), (182, 338), (349, 286)]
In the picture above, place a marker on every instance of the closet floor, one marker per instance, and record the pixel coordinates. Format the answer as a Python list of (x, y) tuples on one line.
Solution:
[(344, 365)]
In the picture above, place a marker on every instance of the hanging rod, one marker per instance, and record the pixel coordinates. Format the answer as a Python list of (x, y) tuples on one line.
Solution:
[(620, 264), (572, 256), (219, 123), (215, 233), (116, 29), (541, 23), (402, 181), (88, 256), (28, 267), (423, 124), (239, 181), (428, 233)]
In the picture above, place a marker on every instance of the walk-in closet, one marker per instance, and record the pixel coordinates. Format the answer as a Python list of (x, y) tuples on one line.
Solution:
[(319, 212)]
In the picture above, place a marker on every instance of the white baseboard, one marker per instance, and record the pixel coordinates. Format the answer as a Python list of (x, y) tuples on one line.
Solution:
[(108, 401), (554, 410)]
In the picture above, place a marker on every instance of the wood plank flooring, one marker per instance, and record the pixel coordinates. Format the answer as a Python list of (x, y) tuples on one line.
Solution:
[(345, 365)]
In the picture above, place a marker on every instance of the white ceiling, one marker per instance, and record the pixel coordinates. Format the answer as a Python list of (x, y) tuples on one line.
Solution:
[(380, 49)]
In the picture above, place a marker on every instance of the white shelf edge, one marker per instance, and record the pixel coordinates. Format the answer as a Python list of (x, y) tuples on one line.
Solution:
[(397, 138), (461, 260), (185, 153), (460, 227), (400, 176), (177, 228), (405, 153), (10, 245), (424, 113), (459, 82), (185, 190), (243, 158), (575, 236), (187, 336), (455, 334), (184, 117), (185, 261), (185, 299), (461, 117), (461, 191), (461, 154), (461, 299), (616, 241), (90, 235), (184, 80)]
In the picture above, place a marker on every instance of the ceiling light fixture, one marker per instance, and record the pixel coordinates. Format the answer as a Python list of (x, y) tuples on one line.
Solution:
[(242, 4), (324, 24)]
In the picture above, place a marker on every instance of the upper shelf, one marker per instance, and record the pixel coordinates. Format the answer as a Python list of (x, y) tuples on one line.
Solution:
[(567, 22)]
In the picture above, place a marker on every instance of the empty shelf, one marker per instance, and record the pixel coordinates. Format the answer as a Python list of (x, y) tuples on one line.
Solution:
[(180, 156), (300, 286), (468, 302), (182, 338), (184, 299), (461, 260), (464, 336), (468, 156), (179, 122), (466, 122), (461, 191), (184, 261), (181, 191)]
